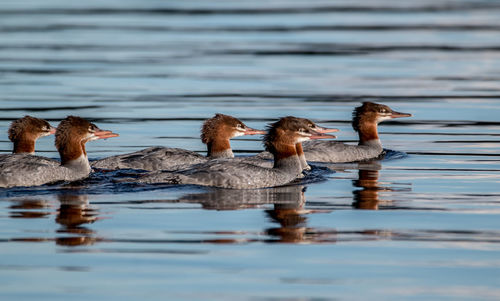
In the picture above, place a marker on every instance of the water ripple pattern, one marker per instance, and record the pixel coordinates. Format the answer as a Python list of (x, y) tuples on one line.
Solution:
[(420, 223)]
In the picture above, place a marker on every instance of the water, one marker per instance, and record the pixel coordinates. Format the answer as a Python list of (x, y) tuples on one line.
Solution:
[(419, 226)]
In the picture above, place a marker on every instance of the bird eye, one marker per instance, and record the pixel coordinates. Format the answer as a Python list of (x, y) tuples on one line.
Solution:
[(240, 126), (383, 110), (91, 129)]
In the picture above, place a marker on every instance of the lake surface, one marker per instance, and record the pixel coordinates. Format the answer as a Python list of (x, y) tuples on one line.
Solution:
[(421, 224)]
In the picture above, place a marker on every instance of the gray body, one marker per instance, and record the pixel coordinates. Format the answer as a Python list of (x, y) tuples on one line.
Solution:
[(227, 173), (165, 158), (338, 152), (152, 158), (28, 170), (335, 151)]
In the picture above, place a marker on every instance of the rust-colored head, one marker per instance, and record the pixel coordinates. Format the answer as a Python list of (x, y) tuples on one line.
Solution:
[(318, 128), (370, 112), (225, 127), (289, 131), (217, 131), (25, 131), (366, 117), (72, 134)]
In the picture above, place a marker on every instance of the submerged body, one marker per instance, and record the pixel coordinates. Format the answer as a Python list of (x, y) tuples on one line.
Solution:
[(235, 174), (71, 136), (216, 133)]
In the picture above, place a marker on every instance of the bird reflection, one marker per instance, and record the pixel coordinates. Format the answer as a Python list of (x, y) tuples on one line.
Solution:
[(74, 211), (288, 211), (367, 197), (368, 180), (368, 174), (29, 208), (233, 199), (292, 220)]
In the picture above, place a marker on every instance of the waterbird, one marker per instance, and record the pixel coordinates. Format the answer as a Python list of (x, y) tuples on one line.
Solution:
[(24, 132), (71, 135), (215, 133), (365, 122), (280, 141)]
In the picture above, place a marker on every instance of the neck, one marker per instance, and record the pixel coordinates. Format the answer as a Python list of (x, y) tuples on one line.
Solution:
[(219, 148), (302, 157), (80, 164), (368, 134), (285, 158), (74, 156), (24, 146)]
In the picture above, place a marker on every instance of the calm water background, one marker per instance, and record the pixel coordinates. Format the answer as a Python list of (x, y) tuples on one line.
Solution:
[(421, 226)]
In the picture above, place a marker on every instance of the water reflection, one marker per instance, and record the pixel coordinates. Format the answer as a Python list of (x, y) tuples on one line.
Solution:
[(29, 208), (288, 212), (74, 212), (368, 196), (229, 199), (292, 220), (290, 216)]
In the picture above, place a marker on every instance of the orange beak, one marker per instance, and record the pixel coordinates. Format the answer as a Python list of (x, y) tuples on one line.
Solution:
[(103, 134), (250, 131), (52, 130), (395, 114), (323, 130), (318, 135)]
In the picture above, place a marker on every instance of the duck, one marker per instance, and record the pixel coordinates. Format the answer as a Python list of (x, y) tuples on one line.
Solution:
[(365, 122), (263, 157), (71, 135), (215, 133), (280, 141), (25, 131)]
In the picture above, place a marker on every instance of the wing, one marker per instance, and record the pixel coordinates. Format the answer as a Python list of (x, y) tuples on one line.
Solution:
[(29, 170), (338, 152), (153, 158), (223, 173)]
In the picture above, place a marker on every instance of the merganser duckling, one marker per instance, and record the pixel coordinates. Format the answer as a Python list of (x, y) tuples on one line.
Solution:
[(365, 120), (24, 132), (280, 140), (215, 133), (71, 136)]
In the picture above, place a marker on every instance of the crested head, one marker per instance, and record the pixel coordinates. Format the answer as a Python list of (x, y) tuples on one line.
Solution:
[(366, 117), (25, 131), (373, 113), (72, 134), (316, 127), (75, 129), (287, 131), (221, 127), (28, 126), (368, 112), (217, 131)]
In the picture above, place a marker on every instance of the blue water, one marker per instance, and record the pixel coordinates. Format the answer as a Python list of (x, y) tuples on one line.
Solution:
[(421, 224)]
